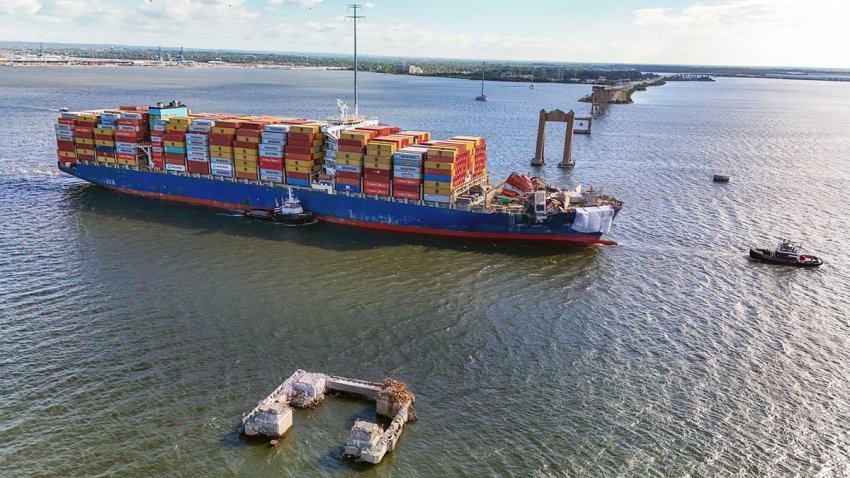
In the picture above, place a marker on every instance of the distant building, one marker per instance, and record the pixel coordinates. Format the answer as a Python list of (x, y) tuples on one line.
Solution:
[(409, 70)]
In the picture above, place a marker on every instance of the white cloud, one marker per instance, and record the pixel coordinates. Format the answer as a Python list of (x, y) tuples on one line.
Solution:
[(303, 3), (13, 7)]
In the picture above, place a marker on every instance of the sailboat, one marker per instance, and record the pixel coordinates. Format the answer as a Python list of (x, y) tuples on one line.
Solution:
[(531, 86), (482, 97)]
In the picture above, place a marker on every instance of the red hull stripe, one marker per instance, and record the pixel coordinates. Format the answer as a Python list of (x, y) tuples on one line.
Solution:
[(387, 227)]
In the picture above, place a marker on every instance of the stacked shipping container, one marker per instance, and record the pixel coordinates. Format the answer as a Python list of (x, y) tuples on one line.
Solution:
[(375, 160)]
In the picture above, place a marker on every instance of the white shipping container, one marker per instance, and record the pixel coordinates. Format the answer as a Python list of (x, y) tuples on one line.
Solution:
[(196, 137), (222, 161), (277, 128), (132, 115), (175, 167), (63, 127), (270, 135), (399, 174)]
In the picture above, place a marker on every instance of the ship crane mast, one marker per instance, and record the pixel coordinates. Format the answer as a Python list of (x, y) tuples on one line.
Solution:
[(355, 18)]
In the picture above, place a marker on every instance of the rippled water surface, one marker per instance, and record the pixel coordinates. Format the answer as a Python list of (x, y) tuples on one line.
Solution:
[(135, 333)]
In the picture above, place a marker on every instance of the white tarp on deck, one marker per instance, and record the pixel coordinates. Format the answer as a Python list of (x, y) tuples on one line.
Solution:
[(594, 219)]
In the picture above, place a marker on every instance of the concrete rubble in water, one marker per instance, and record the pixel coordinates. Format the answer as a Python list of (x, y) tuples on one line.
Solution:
[(368, 441)]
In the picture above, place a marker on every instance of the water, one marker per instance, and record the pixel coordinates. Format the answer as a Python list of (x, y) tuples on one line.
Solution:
[(135, 333)]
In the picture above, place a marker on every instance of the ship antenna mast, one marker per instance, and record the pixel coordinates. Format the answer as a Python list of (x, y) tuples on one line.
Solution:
[(355, 18)]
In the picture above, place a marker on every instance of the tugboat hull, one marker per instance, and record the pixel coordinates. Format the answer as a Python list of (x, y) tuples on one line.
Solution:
[(764, 255)]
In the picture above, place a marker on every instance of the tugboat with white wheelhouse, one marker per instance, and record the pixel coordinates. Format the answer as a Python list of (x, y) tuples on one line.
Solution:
[(786, 253)]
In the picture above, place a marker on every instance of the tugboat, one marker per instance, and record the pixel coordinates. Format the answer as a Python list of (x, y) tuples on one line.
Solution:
[(787, 253), (290, 212)]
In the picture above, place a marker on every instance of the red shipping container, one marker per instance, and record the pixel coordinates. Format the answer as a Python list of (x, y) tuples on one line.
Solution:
[(159, 156), (129, 137), (377, 175), (255, 126), (271, 163), (298, 150), (406, 194), (104, 137), (406, 188), (65, 145), (376, 184), (298, 175), (85, 157), (252, 133), (226, 137), (298, 142), (198, 167), (249, 176), (347, 175), (300, 157), (301, 137), (220, 141), (352, 149), (130, 122), (83, 132), (439, 172), (227, 124), (175, 136), (104, 154), (68, 161), (125, 156), (407, 182), (352, 142), (376, 192), (66, 121), (350, 182), (245, 144), (172, 158), (86, 124)]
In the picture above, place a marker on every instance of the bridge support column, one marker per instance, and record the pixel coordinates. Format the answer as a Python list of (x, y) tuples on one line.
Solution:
[(560, 116)]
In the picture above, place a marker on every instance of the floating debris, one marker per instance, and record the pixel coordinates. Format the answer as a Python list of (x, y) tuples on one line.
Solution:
[(368, 441)]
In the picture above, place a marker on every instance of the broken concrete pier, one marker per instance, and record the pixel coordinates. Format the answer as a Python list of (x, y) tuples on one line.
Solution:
[(368, 441)]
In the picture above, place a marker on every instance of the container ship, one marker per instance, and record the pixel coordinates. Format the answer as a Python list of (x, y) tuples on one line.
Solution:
[(348, 170)]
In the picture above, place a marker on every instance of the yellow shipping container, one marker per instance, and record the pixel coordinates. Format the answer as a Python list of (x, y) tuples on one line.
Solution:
[(372, 165), (300, 169), (87, 118), (380, 146), (359, 135), (88, 151), (349, 162), (438, 191), (67, 154), (246, 169), (245, 157), (108, 131), (248, 139), (218, 130), (174, 144), (309, 128), (371, 158), (107, 159), (249, 151), (222, 154), (443, 152), (475, 139), (440, 165), (223, 149), (83, 140), (180, 120), (176, 127), (348, 155), (297, 163), (104, 142)]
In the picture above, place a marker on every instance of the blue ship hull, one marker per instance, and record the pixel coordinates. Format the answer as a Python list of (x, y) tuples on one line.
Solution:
[(354, 209)]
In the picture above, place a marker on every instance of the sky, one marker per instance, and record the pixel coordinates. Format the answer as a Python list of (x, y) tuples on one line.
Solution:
[(814, 33)]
